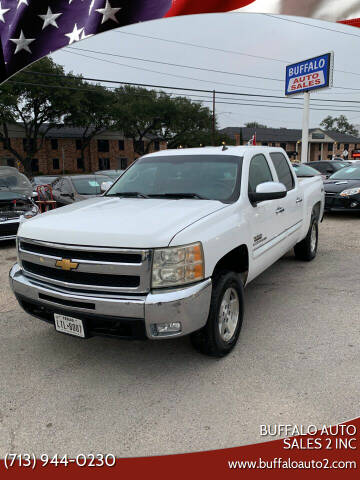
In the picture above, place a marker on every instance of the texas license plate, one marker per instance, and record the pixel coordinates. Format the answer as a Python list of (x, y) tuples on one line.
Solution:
[(69, 325)]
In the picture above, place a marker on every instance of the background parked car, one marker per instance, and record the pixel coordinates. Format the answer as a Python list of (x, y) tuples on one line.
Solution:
[(342, 190), (74, 188), (327, 167), (305, 171), (113, 174), (43, 180), (16, 201)]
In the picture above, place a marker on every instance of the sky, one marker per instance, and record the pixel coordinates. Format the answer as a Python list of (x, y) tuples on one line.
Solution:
[(233, 44)]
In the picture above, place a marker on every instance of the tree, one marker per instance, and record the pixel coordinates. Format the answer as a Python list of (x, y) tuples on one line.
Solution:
[(38, 103), (147, 115), (92, 110), (339, 124), (255, 125)]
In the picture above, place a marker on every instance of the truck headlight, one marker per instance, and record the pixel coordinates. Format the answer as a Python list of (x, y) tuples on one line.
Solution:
[(349, 192), (174, 266)]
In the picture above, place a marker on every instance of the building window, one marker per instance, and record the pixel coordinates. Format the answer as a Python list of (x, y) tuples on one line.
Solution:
[(139, 146), (80, 164), (54, 144), (121, 144), (78, 143), (265, 144), (157, 145), (104, 163), (346, 146), (283, 145), (35, 165), (28, 143), (123, 163), (273, 144), (56, 164), (103, 146), (330, 147)]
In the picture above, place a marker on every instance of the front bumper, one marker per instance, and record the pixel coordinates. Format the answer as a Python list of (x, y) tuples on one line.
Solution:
[(125, 316), (335, 203), (8, 229)]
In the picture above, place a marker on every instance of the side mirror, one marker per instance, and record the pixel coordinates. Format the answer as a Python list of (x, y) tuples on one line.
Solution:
[(268, 191), (105, 186)]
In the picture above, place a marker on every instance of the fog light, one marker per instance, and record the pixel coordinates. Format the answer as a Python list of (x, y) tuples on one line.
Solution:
[(354, 204), (167, 328)]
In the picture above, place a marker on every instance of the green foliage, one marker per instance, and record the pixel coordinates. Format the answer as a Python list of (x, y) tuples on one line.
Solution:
[(339, 124), (255, 125), (147, 115)]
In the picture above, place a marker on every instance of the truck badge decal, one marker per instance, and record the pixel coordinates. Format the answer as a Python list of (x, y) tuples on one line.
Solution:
[(66, 264)]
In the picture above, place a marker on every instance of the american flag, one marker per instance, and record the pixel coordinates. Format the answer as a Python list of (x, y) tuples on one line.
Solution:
[(31, 29)]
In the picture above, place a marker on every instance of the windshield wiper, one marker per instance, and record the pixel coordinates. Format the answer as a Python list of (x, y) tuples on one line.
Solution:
[(128, 194), (179, 195)]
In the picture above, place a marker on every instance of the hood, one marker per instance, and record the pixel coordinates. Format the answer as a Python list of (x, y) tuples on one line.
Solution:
[(119, 222), (7, 196), (11, 180), (337, 186)]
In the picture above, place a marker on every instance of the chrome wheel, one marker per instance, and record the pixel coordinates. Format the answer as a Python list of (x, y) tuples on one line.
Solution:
[(229, 314), (313, 237)]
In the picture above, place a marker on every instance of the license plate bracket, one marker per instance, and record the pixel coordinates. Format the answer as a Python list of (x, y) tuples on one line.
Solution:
[(69, 325)]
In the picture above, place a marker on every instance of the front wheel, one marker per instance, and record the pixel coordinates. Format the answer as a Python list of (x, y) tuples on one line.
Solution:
[(221, 332), (306, 250)]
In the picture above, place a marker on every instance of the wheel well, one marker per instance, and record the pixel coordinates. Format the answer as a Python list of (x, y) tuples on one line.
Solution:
[(316, 210), (236, 260)]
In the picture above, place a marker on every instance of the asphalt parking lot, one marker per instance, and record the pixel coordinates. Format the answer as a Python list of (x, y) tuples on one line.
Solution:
[(297, 362)]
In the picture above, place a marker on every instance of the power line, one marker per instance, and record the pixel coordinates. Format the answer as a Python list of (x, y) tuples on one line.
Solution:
[(171, 74), (232, 52), (188, 89), (190, 67), (278, 17), (211, 70), (271, 105)]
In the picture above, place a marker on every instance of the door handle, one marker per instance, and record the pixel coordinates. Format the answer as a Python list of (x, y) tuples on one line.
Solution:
[(299, 200), (279, 210)]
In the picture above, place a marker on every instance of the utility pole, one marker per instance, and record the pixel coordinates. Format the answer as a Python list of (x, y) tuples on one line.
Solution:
[(305, 128), (213, 118)]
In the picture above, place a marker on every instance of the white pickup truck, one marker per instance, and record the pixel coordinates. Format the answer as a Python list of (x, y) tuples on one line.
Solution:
[(169, 248)]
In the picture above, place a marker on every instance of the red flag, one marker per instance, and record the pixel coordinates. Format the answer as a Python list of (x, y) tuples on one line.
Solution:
[(254, 139), (188, 7)]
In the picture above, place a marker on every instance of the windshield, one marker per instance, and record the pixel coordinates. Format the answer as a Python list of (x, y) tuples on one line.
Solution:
[(211, 177), (305, 171), (12, 180), (89, 185), (347, 173), (44, 180)]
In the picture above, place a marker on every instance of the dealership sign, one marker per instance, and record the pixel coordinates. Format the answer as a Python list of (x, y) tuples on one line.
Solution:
[(311, 74)]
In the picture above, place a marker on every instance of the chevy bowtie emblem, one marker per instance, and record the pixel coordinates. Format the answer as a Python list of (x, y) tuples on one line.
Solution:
[(67, 264)]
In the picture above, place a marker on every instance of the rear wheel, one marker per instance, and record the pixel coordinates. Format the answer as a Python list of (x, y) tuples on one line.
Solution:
[(221, 332), (306, 250)]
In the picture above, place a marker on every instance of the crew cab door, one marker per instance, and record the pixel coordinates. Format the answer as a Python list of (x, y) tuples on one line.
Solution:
[(265, 222), (292, 204)]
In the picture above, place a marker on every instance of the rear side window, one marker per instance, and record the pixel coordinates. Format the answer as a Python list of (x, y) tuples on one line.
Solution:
[(322, 167), (283, 170), (259, 172)]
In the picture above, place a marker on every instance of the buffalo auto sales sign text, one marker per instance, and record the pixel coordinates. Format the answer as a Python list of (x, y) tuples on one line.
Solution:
[(310, 74)]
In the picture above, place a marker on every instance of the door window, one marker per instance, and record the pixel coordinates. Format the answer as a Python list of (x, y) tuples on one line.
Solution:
[(283, 170), (259, 172)]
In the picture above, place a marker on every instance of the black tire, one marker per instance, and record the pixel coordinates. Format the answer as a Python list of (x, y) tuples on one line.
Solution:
[(208, 340), (306, 249)]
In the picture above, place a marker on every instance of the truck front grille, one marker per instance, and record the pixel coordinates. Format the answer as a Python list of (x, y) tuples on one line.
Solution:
[(92, 268)]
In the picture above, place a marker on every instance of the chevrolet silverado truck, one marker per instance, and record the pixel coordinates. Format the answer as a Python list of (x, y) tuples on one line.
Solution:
[(168, 249)]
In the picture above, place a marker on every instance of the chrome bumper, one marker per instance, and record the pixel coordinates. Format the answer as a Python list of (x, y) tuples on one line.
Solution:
[(3, 238), (189, 305)]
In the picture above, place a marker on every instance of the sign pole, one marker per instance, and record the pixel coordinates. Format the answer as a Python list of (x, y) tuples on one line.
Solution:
[(305, 128)]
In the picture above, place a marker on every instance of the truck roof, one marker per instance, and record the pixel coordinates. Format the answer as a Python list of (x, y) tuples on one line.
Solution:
[(230, 150)]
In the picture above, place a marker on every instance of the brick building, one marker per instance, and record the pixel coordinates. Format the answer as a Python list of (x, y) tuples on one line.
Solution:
[(322, 144), (61, 151)]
